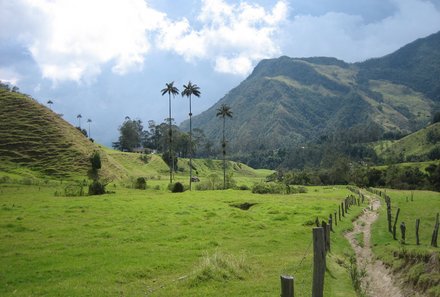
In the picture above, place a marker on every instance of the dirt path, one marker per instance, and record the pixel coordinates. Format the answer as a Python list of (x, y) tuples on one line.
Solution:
[(378, 280)]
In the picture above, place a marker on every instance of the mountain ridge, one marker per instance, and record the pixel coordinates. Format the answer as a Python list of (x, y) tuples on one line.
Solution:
[(288, 101)]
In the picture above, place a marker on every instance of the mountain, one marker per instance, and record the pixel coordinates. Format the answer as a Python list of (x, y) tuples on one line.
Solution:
[(290, 101)]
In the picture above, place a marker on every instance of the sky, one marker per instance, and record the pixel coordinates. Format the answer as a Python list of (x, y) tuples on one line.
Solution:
[(108, 59)]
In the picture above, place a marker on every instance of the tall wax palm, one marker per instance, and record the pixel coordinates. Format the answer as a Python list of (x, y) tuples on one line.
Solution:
[(79, 120), (224, 111), (171, 90), (189, 90), (50, 103), (89, 121)]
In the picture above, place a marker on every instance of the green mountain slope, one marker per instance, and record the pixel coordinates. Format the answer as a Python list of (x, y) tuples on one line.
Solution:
[(288, 101), (416, 65), (420, 145)]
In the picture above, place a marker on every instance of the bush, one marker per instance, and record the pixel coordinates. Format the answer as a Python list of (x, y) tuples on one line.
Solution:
[(140, 184), (177, 188), (243, 188), (268, 188), (96, 188), (296, 190)]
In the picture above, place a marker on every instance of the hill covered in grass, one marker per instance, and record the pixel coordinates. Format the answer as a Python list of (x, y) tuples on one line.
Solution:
[(36, 142), (418, 146)]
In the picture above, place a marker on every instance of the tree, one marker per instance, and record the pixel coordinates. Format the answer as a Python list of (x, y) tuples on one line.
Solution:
[(171, 90), (189, 90), (89, 121), (224, 111), (131, 132), (97, 187), (79, 116), (50, 103)]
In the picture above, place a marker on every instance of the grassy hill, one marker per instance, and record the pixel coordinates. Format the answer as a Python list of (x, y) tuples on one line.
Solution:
[(35, 142), (418, 146), (33, 137)]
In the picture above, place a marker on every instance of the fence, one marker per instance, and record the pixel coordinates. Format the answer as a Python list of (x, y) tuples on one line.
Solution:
[(321, 246), (393, 226)]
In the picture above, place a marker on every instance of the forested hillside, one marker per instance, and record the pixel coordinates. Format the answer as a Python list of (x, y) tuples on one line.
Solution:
[(300, 102)]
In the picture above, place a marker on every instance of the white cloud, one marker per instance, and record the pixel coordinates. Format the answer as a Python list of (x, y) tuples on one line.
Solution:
[(233, 36), (73, 39), (351, 38), (9, 75)]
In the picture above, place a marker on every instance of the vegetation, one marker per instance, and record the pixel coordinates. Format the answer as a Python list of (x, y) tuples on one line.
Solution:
[(418, 265)]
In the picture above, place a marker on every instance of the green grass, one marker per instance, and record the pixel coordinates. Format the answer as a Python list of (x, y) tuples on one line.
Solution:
[(155, 243), (410, 258)]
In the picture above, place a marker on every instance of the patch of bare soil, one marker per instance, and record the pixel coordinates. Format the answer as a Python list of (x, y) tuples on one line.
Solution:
[(379, 280)]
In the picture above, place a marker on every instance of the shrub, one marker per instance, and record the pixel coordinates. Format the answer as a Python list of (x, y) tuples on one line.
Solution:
[(268, 188), (140, 184), (177, 187), (243, 188), (96, 188)]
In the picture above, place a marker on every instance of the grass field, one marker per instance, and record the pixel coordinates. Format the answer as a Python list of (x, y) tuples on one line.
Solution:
[(154, 243), (418, 264)]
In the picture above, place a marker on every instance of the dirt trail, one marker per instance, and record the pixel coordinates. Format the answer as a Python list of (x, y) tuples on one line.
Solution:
[(378, 280)]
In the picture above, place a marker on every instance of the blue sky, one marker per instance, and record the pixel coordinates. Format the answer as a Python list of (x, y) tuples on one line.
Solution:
[(108, 59)]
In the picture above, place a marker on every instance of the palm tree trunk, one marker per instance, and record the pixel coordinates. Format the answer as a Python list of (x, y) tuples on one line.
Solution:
[(170, 140), (224, 155), (190, 145)]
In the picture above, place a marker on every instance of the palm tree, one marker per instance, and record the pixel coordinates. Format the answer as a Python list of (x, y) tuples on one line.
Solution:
[(89, 121), (171, 90), (79, 116), (224, 111), (50, 103), (189, 90)]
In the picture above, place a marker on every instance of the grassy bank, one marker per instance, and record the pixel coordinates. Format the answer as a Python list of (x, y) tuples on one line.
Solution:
[(418, 264)]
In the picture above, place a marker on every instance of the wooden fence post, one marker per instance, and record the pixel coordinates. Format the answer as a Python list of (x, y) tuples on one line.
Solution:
[(435, 232), (389, 215), (330, 222), (395, 223), (342, 207), (336, 219), (318, 262), (327, 237), (287, 286), (417, 231), (403, 231)]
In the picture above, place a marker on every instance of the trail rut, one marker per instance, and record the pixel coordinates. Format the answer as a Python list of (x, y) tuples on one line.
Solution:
[(379, 280)]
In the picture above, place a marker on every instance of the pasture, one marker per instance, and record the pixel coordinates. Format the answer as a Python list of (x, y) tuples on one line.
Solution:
[(155, 243)]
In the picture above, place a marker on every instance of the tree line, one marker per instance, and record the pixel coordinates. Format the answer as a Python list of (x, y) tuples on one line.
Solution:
[(167, 139), (345, 172)]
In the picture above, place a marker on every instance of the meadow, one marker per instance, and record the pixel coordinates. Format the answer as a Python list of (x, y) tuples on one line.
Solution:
[(155, 243)]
